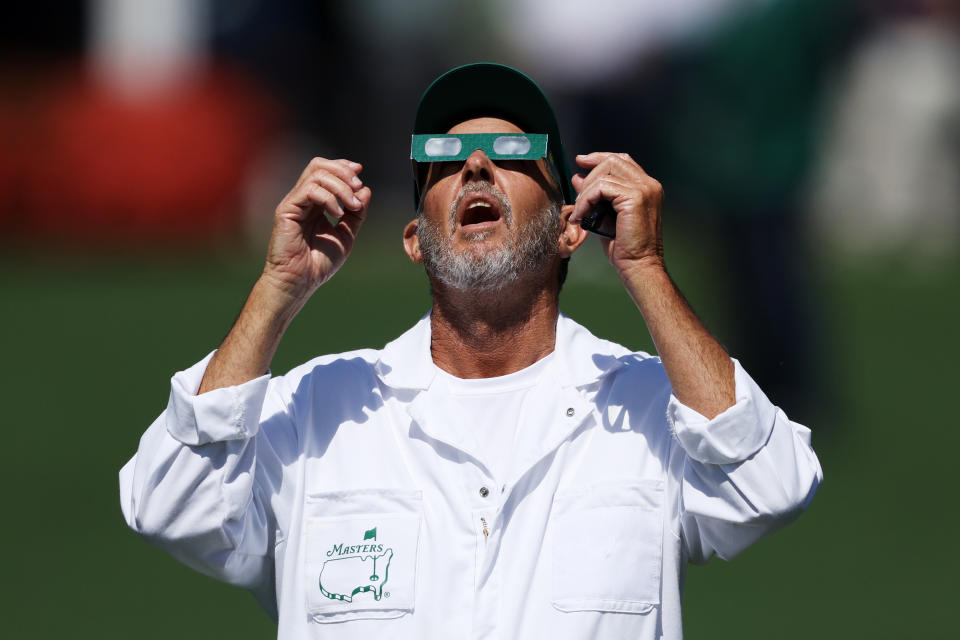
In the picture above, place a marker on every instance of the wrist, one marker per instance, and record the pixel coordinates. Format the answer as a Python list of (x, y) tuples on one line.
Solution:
[(276, 300), (284, 290), (646, 280), (650, 268)]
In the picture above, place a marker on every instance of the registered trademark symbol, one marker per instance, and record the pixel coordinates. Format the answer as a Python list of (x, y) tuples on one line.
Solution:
[(386, 595)]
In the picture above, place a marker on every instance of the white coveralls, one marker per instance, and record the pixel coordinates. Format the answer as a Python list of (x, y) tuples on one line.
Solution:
[(344, 497)]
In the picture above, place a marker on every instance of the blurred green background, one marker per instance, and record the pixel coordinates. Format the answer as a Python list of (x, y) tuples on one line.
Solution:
[(810, 152), (90, 345)]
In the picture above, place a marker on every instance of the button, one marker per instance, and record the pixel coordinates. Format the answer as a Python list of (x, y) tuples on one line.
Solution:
[(484, 492), (570, 412)]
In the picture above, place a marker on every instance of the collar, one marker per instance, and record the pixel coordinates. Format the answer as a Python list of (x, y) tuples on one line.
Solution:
[(582, 358)]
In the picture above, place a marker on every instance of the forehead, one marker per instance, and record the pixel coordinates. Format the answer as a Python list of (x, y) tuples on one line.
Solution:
[(485, 125)]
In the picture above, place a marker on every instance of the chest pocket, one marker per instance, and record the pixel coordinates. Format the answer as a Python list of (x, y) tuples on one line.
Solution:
[(361, 554), (608, 547)]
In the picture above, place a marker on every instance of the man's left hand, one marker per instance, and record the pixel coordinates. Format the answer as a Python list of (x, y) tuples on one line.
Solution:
[(636, 197), (700, 371)]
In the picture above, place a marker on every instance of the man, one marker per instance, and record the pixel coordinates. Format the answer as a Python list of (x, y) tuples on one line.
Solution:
[(497, 471)]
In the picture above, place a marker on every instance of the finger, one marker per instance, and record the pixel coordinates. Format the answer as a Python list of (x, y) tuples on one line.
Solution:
[(364, 195), (604, 189), (585, 183), (346, 170), (585, 202), (356, 167), (590, 160), (360, 214), (588, 183), (349, 225), (298, 204), (316, 163), (344, 192), (354, 219), (351, 175), (577, 181), (323, 201), (615, 168), (607, 162), (326, 191)]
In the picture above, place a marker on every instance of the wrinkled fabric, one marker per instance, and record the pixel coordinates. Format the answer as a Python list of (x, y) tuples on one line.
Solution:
[(345, 498)]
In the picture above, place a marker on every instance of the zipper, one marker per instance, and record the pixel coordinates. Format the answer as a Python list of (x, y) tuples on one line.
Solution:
[(486, 530)]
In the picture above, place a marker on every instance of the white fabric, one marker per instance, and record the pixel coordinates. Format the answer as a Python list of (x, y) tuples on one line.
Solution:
[(614, 486), (488, 409)]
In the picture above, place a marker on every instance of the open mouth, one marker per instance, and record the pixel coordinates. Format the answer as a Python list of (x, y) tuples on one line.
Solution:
[(478, 211)]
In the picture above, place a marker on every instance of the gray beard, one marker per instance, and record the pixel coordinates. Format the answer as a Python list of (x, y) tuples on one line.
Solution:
[(482, 269)]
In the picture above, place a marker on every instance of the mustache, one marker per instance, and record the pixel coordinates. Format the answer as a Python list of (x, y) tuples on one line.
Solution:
[(482, 187)]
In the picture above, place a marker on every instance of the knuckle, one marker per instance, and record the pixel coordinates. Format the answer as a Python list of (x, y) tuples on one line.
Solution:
[(320, 177), (341, 173), (320, 194), (613, 181)]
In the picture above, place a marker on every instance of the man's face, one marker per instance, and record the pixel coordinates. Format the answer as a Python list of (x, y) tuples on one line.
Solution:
[(484, 224)]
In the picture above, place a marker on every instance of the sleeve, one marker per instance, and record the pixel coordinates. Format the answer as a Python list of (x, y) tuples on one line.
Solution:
[(744, 474), (201, 483)]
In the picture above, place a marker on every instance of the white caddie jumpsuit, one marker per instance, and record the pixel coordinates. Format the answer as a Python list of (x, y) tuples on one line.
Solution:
[(345, 498)]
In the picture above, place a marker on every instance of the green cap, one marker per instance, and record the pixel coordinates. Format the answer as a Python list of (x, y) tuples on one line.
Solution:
[(487, 89)]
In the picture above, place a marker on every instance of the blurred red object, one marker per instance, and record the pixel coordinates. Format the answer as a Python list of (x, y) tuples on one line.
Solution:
[(103, 167), (10, 163)]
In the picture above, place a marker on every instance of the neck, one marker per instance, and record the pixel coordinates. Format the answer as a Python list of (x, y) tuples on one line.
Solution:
[(492, 333)]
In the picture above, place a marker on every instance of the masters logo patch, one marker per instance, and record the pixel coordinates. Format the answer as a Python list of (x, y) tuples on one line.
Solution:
[(362, 566)]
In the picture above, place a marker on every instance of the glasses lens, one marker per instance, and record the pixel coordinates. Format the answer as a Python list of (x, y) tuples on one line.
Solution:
[(439, 147), (511, 146)]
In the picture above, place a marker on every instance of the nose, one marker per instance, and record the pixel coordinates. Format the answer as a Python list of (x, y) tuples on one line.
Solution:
[(477, 167)]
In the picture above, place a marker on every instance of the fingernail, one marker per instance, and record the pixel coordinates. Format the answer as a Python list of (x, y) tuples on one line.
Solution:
[(356, 182), (356, 201)]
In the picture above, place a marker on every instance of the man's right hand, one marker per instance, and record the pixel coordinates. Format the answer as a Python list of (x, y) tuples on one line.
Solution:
[(306, 249)]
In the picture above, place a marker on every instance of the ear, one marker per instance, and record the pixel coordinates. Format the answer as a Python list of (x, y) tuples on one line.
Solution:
[(411, 242), (571, 235)]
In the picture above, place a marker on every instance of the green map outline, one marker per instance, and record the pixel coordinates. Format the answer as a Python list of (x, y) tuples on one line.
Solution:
[(377, 590)]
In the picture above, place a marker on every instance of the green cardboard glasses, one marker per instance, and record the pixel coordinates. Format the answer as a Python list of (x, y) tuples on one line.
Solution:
[(452, 147), (497, 146)]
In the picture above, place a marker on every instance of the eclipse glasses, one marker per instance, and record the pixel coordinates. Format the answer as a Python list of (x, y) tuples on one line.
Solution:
[(497, 146), (449, 147)]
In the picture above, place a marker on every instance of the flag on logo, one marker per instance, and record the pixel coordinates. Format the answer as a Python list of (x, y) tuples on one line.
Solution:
[(370, 534)]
